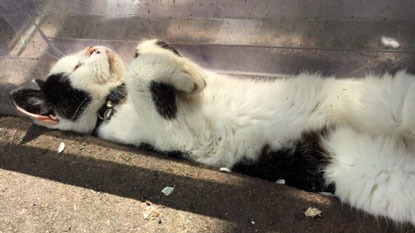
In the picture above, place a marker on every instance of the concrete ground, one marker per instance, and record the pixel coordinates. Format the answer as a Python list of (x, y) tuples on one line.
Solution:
[(98, 186)]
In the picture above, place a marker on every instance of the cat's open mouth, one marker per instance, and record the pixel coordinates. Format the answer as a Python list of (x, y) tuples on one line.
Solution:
[(50, 119)]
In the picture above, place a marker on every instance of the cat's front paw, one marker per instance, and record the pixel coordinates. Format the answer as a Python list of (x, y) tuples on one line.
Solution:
[(187, 76)]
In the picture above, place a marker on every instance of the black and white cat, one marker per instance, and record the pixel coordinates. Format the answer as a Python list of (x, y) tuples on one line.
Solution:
[(353, 137)]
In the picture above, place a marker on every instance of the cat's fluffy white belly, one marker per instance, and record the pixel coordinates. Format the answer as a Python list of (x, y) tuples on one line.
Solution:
[(229, 124)]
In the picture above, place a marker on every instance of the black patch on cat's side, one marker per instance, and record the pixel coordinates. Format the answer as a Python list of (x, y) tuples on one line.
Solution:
[(301, 165), (67, 101), (164, 99), (169, 47)]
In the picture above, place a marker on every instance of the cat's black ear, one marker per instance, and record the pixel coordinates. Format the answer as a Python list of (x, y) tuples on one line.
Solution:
[(32, 103), (39, 82)]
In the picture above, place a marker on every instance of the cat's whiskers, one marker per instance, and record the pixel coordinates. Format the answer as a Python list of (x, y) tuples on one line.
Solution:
[(79, 107), (43, 111), (45, 38), (57, 58)]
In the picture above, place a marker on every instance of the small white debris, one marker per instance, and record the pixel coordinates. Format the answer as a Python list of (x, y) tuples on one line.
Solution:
[(312, 212), (61, 147), (327, 194), (280, 181), (350, 163), (167, 190), (389, 42), (224, 169), (147, 213), (252, 222)]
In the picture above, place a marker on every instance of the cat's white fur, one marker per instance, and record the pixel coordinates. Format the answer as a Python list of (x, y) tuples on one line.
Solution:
[(222, 120)]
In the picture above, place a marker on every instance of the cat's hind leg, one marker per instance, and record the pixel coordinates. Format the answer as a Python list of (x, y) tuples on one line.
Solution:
[(370, 172)]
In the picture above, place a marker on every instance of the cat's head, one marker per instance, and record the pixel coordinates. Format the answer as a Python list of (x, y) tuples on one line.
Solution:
[(74, 90)]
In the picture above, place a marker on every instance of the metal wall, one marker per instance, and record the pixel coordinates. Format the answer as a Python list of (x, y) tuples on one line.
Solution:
[(246, 37)]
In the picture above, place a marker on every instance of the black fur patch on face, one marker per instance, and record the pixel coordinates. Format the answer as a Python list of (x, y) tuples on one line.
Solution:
[(164, 99), (66, 101), (169, 47), (301, 166)]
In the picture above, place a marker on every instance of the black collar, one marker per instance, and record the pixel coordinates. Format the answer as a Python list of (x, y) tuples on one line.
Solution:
[(115, 97)]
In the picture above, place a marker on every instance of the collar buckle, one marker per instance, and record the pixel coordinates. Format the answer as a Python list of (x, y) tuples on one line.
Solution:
[(107, 113)]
